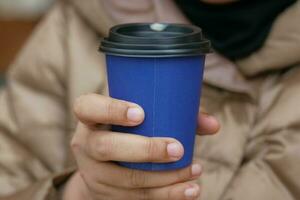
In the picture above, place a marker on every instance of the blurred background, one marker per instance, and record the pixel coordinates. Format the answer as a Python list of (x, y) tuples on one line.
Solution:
[(17, 20)]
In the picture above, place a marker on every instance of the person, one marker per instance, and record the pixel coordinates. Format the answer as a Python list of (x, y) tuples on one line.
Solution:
[(251, 86)]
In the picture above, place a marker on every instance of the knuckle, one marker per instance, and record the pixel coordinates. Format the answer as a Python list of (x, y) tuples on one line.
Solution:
[(86, 177), (77, 140), (175, 192), (99, 190), (89, 182), (75, 144), (137, 179), (169, 194), (77, 106), (104, 147), (152, 149), (143, 194), (184, 174), (116, 110), (110, 110), (83, 175)]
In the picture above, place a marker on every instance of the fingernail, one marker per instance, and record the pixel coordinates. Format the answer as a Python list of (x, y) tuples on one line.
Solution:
[(196, 169), (212, 119), (174, 150), (213, 123), (209, 118), (191, 193), (135, 114)]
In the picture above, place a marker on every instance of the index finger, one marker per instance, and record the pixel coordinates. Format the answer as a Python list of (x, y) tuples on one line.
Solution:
[(94, 109)]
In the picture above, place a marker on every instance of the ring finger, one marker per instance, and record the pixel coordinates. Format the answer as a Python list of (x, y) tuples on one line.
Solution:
[(181, 191)]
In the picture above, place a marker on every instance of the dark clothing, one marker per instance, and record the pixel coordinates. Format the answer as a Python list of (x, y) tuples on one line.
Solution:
[(235, 29)]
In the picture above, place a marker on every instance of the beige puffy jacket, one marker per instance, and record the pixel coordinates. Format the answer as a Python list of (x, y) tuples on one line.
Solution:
[(256, 155)]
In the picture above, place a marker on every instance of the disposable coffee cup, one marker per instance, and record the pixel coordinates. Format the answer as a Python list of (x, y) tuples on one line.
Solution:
[(160, 67)]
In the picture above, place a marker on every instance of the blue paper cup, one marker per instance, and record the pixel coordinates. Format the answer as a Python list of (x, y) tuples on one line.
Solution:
[(160, 67)]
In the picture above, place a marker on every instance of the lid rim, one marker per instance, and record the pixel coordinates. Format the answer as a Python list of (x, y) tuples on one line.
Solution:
[(154, 56), (203, 44), (155, 52), (188, 39)]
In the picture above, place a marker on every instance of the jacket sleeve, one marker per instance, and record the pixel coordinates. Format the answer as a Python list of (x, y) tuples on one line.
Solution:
[(33, 116), (271, 168)]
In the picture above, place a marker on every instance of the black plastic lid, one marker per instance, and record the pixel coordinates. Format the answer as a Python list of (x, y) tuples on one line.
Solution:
[(155, 40)]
